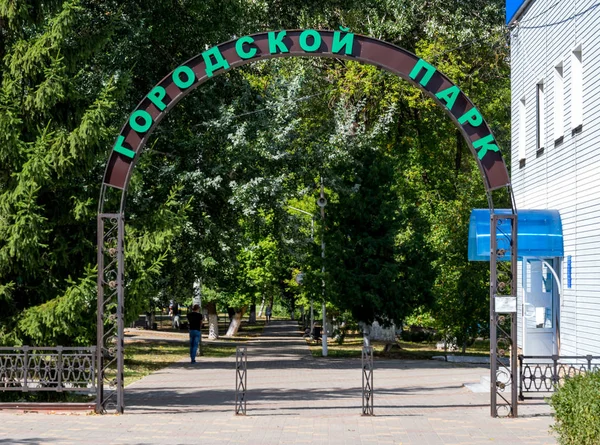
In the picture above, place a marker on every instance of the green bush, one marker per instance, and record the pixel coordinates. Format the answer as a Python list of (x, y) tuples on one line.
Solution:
[(420, 335), (577, 410)]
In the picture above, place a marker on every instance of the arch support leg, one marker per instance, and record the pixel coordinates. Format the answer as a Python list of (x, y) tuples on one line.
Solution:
[(109, 322), (503, 315)]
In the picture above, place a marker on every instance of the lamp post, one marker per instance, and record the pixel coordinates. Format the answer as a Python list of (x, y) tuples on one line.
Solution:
[(197, 299), (312, 238), (322, 202)]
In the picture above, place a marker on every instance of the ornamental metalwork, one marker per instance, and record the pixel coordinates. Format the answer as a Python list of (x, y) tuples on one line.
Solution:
[(55, 369), (539, 373), (367, 380), (241, 356), (152, 109), (503, 315), (110, 324)]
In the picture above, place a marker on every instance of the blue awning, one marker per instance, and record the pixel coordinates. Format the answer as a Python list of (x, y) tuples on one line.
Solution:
[(539, 234), (514, 8)]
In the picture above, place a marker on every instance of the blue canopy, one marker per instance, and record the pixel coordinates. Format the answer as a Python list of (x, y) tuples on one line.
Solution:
[(539, 234)]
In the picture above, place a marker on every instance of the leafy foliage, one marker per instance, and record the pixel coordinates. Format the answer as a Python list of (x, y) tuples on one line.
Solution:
[(577, 410), (210, 198)]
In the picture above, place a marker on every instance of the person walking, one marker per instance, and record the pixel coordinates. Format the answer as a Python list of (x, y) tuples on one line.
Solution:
[(268, 314), (195, 323)]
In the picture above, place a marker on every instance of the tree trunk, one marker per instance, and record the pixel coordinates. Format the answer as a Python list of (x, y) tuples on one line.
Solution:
[(366, 328), (262, 307), (236, 322), (213, 320), (270, 304), (293, 308)]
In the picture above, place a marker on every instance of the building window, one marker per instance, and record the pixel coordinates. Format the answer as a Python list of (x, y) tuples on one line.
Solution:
[(559, 103), (522, 133), (540, 124), (576, 90)]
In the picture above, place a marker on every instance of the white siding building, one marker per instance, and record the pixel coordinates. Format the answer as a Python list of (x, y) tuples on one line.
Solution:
[(555, 56)]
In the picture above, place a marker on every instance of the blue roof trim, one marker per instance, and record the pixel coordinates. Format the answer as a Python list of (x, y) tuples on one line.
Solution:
[(539, 234)]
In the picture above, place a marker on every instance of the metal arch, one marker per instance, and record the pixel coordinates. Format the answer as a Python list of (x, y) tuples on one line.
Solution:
[(555, 275), (367, 50), (364, 49)]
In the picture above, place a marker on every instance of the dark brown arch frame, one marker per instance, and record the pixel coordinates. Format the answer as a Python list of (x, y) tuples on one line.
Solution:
[(300, 43)]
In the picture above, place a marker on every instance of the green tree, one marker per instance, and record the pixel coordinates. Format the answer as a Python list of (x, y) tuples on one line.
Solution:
[(218, 173)]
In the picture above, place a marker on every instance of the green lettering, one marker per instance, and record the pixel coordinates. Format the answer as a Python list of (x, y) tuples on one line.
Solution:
[(156, 96), (304, 40), (429, 72), (486, 145), (449, 96), (183, 84), (122, 150), (145, 117), (220, 62), (472, 116), (340, 42), (239, 47), (276, 42)]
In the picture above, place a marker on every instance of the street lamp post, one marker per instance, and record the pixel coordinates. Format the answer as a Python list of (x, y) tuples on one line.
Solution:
[(322, 202)]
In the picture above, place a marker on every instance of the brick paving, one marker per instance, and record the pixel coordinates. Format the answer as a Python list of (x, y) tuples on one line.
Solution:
[(293, 398)]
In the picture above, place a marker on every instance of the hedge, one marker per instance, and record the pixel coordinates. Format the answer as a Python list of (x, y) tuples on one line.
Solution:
[(577, 410)]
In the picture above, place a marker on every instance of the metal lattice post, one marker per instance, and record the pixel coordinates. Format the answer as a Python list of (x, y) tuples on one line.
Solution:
[(121, 318), (109, 322), (240, 379), (367, 380), (503, 306)]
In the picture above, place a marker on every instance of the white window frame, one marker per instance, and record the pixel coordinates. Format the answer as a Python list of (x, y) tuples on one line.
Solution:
[(576, 88), (540, 114), (559, 102), (522, 129)]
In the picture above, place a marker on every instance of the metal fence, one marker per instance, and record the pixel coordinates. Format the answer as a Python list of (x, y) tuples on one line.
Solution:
[(543, 373), (56, 369)]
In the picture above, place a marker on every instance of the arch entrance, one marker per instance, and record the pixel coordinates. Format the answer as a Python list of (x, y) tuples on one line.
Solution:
[(342, 44)]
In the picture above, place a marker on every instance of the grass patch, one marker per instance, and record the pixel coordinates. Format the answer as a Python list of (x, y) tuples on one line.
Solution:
[(147, 356), (218, 350), (353, 344), (143, 357), (252, 330)]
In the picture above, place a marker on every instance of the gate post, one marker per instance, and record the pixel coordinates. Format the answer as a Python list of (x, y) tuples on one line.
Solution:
[(503, 305), (109, 321), (240, 379), (367, 381)]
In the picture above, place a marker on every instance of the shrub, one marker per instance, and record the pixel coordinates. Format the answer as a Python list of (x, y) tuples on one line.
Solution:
[(417, 334), (577, 410)]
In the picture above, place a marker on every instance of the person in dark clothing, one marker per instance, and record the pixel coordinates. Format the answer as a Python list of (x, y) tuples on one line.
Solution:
[(195, 322)]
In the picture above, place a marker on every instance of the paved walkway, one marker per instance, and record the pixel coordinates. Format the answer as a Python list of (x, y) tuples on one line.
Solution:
[(293, 398)]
